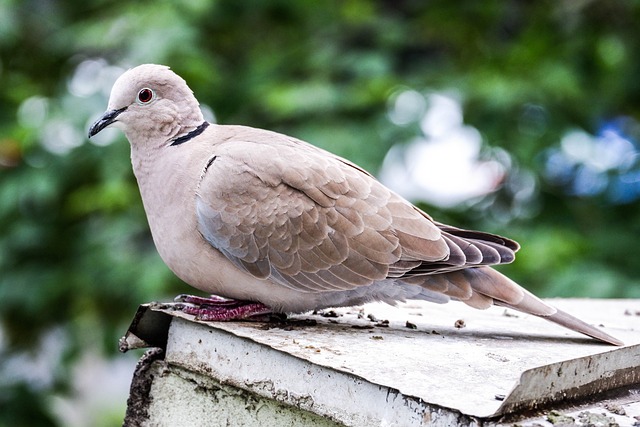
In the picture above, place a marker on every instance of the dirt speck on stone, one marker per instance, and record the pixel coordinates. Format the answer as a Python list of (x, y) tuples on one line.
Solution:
[(615, 409), (561, 420), (588, 418)]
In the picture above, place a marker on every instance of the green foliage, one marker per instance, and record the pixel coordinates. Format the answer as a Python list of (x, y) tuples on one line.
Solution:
[(75, 250)]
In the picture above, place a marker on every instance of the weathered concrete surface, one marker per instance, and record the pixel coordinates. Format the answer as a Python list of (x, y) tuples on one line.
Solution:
[(420, 368), (620, 408), (199, 400)]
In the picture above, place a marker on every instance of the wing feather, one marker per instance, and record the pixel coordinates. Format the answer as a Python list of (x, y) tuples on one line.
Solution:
[(285, 210)]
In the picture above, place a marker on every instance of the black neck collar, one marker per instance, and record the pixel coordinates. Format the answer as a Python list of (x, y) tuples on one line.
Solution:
[(197, 131)]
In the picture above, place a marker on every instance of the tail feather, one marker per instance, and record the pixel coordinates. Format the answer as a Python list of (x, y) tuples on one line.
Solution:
[(504, 292), (575, 324), (563, 318)]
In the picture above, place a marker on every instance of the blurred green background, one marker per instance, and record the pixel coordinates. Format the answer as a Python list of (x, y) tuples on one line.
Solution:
[(548, 91)]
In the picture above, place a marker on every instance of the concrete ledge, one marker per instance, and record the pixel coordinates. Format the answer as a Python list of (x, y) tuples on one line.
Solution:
[(378, 365), (198, 400)]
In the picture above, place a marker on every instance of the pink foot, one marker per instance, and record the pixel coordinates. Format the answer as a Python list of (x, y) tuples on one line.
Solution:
[(216, 308)]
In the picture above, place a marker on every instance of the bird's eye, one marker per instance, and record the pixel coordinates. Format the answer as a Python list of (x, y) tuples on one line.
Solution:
[(145, 96)]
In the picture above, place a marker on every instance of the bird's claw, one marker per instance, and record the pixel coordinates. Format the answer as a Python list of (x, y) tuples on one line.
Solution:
[(215, 308)]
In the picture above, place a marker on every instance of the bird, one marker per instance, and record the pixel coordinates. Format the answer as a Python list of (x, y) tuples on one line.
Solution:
[(267, 223)]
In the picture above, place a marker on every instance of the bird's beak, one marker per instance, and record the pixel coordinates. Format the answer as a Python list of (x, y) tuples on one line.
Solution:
[(107, 118)]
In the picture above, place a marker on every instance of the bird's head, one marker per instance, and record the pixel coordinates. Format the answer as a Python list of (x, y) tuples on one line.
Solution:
[(150, 103)]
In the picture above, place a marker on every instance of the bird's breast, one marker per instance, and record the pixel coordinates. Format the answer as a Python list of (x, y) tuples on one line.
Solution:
[(168, 180), (168, 186)]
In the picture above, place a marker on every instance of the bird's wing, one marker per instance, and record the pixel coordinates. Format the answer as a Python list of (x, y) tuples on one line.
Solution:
[(288, 211)]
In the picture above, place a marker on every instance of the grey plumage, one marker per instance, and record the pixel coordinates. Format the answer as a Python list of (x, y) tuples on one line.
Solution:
[(255, 215)]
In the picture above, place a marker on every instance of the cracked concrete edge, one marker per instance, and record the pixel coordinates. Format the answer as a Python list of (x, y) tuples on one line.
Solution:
[(183, 397), (139, 393)]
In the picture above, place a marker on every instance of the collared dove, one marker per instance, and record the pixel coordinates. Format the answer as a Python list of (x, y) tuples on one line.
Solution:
[(273, 224)]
